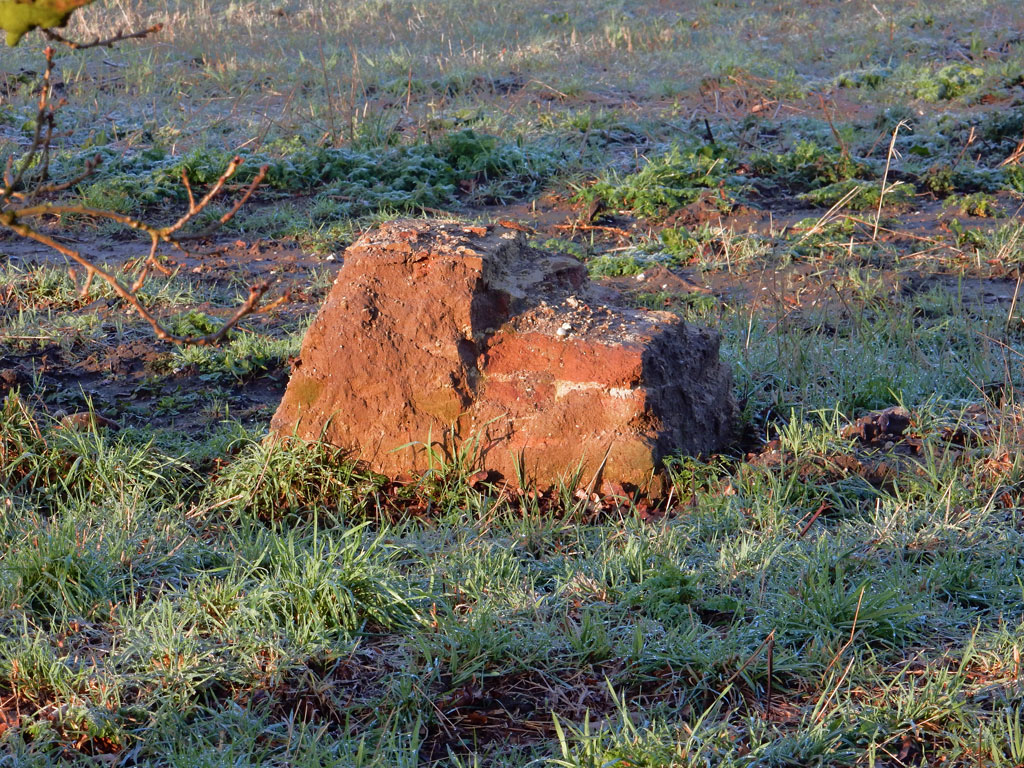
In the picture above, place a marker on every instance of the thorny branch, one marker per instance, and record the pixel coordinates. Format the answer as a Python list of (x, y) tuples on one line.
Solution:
[(25, 195)]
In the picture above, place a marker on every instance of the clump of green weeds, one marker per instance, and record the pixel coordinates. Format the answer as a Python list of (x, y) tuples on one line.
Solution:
[(22, 446), (279, 478), (946, 83), (977, 204), (338, 583), (666, 183), (872, 79), (679, 244), (666, 593), (700, 304), (245, 356), (580, 250), (861, 195), (47, 458), (1013, 178), (616, 265), (943, 180), (807, 166)]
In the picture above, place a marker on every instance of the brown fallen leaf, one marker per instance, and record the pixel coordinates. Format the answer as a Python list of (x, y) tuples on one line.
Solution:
[(83, 421), (477, 477)]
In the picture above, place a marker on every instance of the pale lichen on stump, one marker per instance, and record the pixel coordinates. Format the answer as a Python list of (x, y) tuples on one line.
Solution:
[(464, 336)]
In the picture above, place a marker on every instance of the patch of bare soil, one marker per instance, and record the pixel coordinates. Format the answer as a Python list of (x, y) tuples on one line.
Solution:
[(489, 713), (135, 381)]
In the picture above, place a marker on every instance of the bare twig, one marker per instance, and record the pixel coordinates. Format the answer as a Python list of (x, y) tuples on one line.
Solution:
[(248, 307), (188, 188), (835, 133), (1014, 156), (770, 640), (963, 150), (120, 36), (830, 214), (823, 700), (242, 200), (195, 208), (11, 183), (50, 189), (595, 228), (815, 516)]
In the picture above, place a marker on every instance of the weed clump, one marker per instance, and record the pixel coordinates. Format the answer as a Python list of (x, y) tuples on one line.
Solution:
[(51, 460), (244, 357), (608, 265), (666, 594), (978, 204), (666, 183), (22, 447), (860, 195), (334, 586), (827, 605), (807, 166), (274, 480), (947, 83), (871, 79)]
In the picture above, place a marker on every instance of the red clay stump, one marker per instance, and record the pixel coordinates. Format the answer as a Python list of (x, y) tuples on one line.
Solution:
[(466, 338)]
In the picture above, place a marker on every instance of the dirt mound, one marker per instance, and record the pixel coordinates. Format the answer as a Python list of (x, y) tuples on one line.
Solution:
[(440, 339)]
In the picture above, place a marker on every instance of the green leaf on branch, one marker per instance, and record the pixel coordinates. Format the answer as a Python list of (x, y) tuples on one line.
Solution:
[(20, 16)]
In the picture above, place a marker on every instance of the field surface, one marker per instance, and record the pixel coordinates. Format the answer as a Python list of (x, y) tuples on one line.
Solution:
[(835, 186)]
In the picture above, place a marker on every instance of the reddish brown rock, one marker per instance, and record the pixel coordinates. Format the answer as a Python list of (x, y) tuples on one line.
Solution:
[(464, 337)]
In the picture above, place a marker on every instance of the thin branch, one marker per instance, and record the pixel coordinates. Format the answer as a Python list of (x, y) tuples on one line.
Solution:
[(51, 189), (109, 42), (832, 126), (250, 306), (257, 180), (37, 137), (44, 163), (150, 260), (188, 188), (195, 208), (1015, 156), (964, 148), (58, 209)]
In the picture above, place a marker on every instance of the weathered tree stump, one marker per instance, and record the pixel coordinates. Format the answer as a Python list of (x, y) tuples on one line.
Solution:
[(465, 338)]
